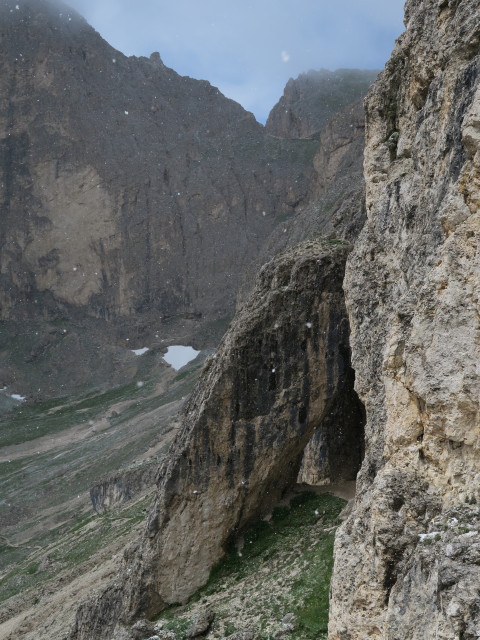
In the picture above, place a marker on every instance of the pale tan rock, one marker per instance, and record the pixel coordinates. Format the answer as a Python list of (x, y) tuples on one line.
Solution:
[(412, 287)]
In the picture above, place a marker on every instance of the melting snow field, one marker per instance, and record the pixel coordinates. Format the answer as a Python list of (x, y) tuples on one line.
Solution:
[(178, 356)]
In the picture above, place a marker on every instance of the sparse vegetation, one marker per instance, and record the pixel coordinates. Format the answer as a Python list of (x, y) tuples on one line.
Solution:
[(284, 566)]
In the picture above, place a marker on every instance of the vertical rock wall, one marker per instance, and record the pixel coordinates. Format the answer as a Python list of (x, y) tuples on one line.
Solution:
[(128, 193), (407, 560)]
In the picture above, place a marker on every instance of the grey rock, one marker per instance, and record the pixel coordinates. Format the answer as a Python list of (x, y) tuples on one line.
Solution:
[(143, 629), (201, 624), (123, 486), (310, 100), (122, 634), (166, 635), (242, 635), (138, 194), (266, 384), (289, 618), (414, 313)]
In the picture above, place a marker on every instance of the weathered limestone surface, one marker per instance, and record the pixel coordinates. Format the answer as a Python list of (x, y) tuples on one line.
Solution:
[(282, 368), (412, 287), (337, 207)]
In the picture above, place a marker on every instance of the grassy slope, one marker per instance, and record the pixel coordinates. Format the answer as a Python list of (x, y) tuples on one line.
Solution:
[(284, 567), (47, 527)]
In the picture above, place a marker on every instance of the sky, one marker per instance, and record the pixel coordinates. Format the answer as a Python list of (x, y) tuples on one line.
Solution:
[(250, 49)]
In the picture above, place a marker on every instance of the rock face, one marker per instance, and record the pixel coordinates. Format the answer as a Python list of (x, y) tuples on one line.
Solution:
[(123, 486), (407, 559), (337, 207), (336, 211), (312, 99), (127, 191), (280, 372)]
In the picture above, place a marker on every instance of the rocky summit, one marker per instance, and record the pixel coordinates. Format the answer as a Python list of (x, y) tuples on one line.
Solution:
[(349, 247)]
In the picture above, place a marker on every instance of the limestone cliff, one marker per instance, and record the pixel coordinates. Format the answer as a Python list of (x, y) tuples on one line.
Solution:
[(312, 99), (407, 560), (280, 373), (127, 191), (337, 206), (124, 485)]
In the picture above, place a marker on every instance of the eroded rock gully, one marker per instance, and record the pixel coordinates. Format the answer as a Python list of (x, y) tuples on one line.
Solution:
[(412, 287), (280, 372)]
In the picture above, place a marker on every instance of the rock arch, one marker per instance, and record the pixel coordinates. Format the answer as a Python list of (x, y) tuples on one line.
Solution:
[(281, 375)]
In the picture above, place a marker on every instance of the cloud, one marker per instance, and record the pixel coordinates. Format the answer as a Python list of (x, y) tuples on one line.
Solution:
[(236, 45)]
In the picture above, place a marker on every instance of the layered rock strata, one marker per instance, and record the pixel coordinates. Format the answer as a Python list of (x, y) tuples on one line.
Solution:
[(407, 559), (280, 373), (337, 211), (337, 207)]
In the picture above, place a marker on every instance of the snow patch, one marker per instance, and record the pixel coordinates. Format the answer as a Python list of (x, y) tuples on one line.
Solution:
[(140, 352), (428, 536), (178, 356), (18, 397), (13, 396)]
